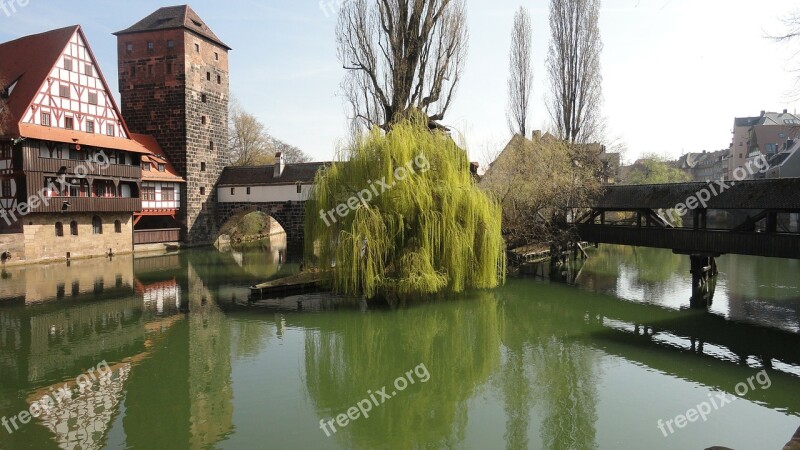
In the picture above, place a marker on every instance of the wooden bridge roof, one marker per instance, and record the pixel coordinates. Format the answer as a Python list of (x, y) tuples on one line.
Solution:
[(775, 194)]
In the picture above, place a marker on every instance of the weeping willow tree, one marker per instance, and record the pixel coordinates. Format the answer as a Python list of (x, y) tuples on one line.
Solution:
[(402, 217)]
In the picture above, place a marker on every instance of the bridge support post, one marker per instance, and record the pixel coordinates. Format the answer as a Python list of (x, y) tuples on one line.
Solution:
[(704, 271)]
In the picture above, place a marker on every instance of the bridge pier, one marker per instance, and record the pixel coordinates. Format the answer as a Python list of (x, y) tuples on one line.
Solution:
[(704, 272)]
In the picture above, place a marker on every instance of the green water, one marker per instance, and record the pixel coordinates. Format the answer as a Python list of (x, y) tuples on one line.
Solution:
[(531, 365)]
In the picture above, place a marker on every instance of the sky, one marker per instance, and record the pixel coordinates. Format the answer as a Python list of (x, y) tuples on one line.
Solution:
[(675, 72)]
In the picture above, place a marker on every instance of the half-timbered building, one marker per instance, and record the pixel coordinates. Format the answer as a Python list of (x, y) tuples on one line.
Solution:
[(70, 172)]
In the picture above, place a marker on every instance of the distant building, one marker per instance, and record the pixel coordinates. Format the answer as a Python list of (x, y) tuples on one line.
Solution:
[(786, 164), (705, 166), (766, 134)]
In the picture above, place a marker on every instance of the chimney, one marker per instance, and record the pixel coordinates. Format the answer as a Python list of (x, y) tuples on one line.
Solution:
[(473, 168), (280, 164), (537, 134), (763, 113), (785, 111)]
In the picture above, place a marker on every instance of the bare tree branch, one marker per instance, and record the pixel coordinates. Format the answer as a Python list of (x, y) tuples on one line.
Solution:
[(249, 144), (520, 82), (401, 55), (573, 63)]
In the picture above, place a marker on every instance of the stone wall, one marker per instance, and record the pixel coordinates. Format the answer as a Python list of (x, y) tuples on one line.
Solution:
[(14, 246), (290, 215), (42, 244), (180, 95)]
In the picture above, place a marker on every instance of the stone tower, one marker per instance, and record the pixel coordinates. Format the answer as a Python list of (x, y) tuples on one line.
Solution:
[(174, 85)]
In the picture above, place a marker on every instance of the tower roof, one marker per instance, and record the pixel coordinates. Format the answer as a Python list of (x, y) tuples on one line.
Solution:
[(174, 17)]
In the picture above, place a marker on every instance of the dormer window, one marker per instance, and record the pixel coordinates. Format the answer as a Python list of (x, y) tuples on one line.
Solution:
[(162, 168), (146, 166)]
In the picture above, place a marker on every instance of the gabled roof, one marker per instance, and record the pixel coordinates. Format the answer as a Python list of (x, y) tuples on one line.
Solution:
[(265, 175), (174, 17), (157, 156), (25, 64)]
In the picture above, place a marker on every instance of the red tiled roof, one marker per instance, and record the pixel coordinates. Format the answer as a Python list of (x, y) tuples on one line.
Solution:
[(78, 137), (28, 62), (157, 156), (174, 17)]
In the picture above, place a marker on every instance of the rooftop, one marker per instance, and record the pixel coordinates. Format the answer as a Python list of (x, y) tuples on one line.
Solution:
[(174, 17), (265, 175)]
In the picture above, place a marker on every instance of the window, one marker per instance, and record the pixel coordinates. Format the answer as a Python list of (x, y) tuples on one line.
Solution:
[(216, 56), (117, 226), (59, 229), (97, 225), (110, 130), (92, 98), (202, 191), (150, 46), (219, 79), (6, 188), (68, 64), (197, 48), (129, 47), (170, 44), (46, 119), (89, 70), (162, 168), (233, 191), (133, 71), (211, 145), (208, 76), (202, 167), (5, 150), (148, 194), (167, 194), (299, 188), (69, 123), (150, 70), (204, 98), (248, 191), (63, 91), (169, 67), (73, 228), (203, 120), (89, 126), (146, 166)]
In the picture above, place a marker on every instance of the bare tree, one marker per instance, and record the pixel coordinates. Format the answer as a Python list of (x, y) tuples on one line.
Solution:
[(401, 56), (249, 143), (520, 82), (573, 63), (291, 154), (791, 33)]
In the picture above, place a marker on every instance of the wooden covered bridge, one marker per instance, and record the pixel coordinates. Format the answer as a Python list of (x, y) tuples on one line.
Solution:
[(752, 217)]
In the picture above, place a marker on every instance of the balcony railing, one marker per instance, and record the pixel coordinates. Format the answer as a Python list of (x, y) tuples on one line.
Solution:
[(156, 236), (87, 204)]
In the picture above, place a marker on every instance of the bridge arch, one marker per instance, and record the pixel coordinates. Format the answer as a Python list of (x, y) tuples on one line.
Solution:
[(289, 215)]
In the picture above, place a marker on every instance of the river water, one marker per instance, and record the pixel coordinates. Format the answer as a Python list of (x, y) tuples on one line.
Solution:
[(185, 361)]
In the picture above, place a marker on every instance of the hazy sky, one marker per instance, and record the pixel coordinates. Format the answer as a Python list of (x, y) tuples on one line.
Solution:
[(676, 72)]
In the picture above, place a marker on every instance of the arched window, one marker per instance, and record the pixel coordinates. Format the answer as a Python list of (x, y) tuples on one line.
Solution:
[(118, 226), (97, 225), (59, 229), (73, 228)]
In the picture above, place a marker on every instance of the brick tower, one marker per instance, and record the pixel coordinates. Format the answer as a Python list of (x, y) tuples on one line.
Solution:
[(173, 82)]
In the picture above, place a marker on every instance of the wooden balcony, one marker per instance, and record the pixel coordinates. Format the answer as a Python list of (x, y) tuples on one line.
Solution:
[(156, 236), (33, 163), (85, 204)]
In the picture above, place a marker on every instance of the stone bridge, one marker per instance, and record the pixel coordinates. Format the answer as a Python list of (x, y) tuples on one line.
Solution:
[(290, 215)]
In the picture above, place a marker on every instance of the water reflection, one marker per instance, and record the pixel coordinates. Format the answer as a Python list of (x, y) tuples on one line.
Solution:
[(527, 366)]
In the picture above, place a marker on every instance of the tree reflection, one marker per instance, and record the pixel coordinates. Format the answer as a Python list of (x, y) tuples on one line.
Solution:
[(359, 352)]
